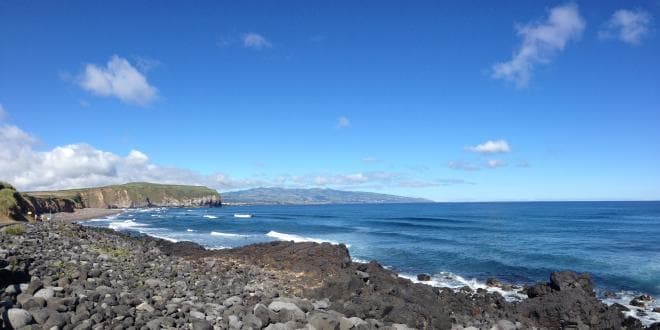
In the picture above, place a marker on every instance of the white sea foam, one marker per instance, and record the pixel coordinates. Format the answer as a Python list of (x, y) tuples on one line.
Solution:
[(648, 316), (297, 238), (220, 247), (453, 281), (164, 237), (126, 224), (237, 215), (217, 233), (210, 216), (362, 261), (190, 230)]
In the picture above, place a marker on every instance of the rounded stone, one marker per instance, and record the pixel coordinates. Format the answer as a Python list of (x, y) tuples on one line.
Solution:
[(18, 317)]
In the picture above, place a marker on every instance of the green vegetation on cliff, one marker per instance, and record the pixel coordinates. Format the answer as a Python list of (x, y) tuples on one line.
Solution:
[(8, 202), (137, 194), (16, 206)]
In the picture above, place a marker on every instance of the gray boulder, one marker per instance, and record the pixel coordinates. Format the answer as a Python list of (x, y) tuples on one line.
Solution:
[(18, 317), (45, 293)]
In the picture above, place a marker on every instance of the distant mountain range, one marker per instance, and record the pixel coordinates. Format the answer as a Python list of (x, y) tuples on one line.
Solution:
[(272, 196)]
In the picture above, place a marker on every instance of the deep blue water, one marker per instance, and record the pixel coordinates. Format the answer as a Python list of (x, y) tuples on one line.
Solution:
[(617, 242)]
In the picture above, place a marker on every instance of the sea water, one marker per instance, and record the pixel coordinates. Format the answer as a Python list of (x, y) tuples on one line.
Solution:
[(459, 244)]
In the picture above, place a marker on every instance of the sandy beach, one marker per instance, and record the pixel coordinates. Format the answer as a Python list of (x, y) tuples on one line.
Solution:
[(85, 214)]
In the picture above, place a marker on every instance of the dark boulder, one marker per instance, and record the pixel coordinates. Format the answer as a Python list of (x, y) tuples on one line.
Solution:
[(567, 280), (493, 282), (423, 277), (568, 300)]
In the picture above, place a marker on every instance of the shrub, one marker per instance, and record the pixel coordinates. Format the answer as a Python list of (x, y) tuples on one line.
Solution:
[(15, 230)]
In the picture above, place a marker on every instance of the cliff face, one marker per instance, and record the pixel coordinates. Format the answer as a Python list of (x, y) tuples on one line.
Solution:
[(41, 205), (136, 195), (16, 206)]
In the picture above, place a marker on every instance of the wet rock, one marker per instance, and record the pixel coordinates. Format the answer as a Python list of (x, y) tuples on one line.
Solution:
[(610, 294), (620, 307), (637, 302), (424, 277), (493, 282), (645, 297)]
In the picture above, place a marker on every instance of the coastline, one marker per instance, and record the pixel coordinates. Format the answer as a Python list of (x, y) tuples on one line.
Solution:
[(284, 284), (85, 214)]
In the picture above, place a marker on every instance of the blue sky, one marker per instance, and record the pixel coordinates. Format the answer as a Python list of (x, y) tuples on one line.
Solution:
[(379, 96)]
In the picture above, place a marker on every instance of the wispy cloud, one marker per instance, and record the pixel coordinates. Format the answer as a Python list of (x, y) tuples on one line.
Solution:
[(491, 147), (369, 159), (3, 113), (495, 163), (629, 26), (541, 41), (343, 122), (463, 166), (432, 183), (255, 41), (118, 79), (523, 163)]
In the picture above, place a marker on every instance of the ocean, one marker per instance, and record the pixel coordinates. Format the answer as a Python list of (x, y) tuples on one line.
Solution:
[(459, 244)]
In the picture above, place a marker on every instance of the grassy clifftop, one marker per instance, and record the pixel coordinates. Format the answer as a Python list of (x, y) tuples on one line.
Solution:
[(138, 194), (16, 206)]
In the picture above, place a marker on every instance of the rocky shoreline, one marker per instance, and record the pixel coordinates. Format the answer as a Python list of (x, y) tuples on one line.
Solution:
[(61, 275)]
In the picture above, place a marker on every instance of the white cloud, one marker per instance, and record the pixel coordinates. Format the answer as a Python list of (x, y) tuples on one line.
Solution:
[(81, 165), (255, 41), (464, 166), (629, 26), (540, 42), (343, 122), (118, 79), (490, 147), (3, 113), (495, 163)]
